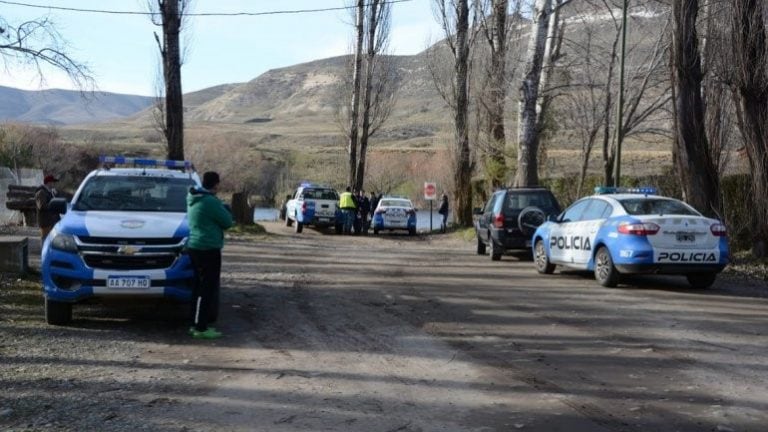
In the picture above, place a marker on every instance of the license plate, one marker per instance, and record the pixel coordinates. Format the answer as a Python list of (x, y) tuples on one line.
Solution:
[(128, 282), (686, 237), (323, 219)]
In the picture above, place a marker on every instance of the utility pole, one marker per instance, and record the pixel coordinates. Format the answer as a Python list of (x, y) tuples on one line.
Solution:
[(620, 108)]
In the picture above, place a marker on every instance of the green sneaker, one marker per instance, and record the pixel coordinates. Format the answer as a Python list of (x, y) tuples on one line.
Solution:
[(210, 333)]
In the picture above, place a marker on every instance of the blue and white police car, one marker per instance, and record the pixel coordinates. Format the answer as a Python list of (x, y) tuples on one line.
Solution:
[(629, 231), (394, 213), (123, 235)]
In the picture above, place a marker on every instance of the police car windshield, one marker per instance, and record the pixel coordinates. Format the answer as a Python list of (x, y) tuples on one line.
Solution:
[(395, 203), (134, 193), (326, 194), (656, 206)]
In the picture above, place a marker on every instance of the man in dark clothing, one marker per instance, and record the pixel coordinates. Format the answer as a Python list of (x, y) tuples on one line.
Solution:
[(443, 211), (208, 218), (365, 208), (46, 218), (374, 202)]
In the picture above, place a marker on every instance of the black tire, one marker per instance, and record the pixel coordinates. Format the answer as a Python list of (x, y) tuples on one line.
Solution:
[(480, 246), (299, 227), (605, 272), (375, 231), (701, 280), (541, 259), (288, 221), (58, 313), (494, 249)]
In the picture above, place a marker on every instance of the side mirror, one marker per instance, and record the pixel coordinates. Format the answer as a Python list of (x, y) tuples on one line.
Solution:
[(59, 205), (552, 218), (477, 211)]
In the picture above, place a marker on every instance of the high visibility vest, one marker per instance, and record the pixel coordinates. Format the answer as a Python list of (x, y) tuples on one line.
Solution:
[(346, 201)]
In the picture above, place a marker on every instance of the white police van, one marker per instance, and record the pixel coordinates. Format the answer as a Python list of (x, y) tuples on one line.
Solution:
[(123, 235), (315, 205), (627, 231)]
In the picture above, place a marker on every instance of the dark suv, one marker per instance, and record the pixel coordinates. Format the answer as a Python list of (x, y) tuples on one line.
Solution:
[(509, 218)]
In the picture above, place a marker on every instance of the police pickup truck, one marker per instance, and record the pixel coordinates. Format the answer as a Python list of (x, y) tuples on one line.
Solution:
[(314, 205), (122, 236)]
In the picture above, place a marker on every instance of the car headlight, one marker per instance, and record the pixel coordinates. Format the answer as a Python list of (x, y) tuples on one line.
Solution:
[(64, 242)]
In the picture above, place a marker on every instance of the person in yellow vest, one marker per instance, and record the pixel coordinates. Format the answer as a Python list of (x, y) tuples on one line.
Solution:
[(348, 209)]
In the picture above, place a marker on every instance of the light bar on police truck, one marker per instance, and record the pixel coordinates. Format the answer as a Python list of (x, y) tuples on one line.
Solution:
[(121, 160), (602, 190)]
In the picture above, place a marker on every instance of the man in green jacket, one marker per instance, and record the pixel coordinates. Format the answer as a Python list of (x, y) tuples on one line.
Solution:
[(208, 218)]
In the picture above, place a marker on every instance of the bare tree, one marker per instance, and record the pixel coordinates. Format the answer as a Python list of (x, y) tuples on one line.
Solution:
[(37, 43), (454, 17), (354, 118), (700, 182), (380, 80), (750, 69), (527, 136), (169, 14)]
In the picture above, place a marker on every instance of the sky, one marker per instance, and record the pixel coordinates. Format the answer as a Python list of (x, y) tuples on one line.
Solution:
[(123, 56)]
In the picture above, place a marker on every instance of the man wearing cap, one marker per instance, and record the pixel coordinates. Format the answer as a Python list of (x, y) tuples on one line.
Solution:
[(46, 218)]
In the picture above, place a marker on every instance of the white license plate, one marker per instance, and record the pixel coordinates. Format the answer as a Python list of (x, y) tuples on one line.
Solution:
[(396, 221), (128, 282), (324, 219)]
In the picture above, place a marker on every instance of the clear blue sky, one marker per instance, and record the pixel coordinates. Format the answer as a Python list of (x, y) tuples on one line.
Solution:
[(123, 55)]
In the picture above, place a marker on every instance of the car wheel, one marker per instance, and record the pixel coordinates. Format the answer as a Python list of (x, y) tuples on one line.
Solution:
[(299, 227), (288, 221), (543, 265), (480, 246), (605, 272), (701, 280), (495, 251), (57, 313)]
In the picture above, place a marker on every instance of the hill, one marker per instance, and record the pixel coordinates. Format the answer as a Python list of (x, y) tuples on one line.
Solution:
[(66, 107)]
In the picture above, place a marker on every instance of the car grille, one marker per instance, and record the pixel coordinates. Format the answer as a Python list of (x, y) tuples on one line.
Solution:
[(116, 262)]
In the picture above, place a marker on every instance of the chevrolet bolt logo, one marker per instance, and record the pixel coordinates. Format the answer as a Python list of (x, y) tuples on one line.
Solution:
[(128, 250)]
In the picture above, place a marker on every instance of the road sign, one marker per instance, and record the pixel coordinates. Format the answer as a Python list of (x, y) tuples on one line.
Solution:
[(430, 191)]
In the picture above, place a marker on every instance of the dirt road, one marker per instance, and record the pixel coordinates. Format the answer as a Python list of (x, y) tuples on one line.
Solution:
[(392, 333)]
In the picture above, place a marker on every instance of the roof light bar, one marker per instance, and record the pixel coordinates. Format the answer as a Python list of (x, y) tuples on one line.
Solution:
[(601, 190), (122, 160)]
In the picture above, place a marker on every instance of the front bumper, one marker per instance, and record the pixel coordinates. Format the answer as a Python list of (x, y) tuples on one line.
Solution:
[(67, 278)]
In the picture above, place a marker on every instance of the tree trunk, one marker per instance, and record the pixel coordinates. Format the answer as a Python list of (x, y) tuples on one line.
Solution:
[(241, 211), (555, 35), (609, 153), (463, 161), (373, 22), (698, 174), (171, 53), (498, 93), (527, 137), (354, 119), (751, 81)]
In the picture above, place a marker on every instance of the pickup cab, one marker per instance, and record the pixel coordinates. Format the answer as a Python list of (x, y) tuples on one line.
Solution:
[(313, 205)]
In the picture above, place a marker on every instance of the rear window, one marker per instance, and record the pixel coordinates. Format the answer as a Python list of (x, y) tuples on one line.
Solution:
[(656, 206), (134, 193), (518, 200), (395, 203), (323, 194)]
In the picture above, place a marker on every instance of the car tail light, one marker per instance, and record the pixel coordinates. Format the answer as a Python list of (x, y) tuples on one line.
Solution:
[(718, 230), (498, 221), (640, 229)]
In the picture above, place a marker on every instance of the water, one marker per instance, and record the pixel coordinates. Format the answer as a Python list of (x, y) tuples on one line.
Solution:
[(422, 218)]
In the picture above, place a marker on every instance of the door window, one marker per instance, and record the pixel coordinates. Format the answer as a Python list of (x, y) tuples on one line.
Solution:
[(574, 212)]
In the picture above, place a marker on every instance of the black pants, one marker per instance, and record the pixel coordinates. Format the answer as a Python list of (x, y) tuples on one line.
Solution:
[(207, 265)]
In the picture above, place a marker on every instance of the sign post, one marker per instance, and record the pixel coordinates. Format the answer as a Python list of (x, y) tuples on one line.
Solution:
[(430, 194)]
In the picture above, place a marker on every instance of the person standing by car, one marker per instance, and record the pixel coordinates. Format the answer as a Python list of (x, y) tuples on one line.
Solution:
[(374, 200), (348, 209), (208, 218), (443, 211), (46, 218), (364, 206)]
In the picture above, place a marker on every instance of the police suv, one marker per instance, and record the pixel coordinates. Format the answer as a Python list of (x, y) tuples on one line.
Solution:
[(625, 231), (314, 205), (123, 235)]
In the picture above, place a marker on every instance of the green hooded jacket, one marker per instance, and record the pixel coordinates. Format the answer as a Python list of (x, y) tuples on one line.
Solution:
[(207, 218)]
